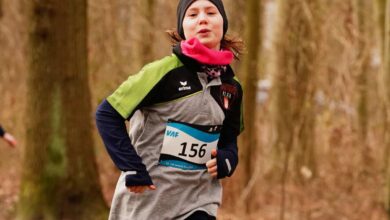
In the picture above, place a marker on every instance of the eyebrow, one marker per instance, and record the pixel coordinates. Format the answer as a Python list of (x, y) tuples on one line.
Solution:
[(206, 8)]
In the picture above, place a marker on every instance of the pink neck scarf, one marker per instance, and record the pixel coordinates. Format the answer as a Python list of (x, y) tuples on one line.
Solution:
[(196, 50)]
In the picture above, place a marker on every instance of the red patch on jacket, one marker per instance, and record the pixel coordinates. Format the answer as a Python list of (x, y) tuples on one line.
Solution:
[(228, 94)]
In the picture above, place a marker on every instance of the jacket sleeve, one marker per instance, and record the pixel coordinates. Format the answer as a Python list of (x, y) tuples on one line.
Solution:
[(131, 95), (112, 128), (136, 91), (227, 153), (227, 159), (2, 131)]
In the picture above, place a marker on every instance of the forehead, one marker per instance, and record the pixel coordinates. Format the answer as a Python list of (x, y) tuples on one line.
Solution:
[(201, 4)]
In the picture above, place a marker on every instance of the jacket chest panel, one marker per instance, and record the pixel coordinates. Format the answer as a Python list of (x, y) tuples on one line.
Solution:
[(193, 104)]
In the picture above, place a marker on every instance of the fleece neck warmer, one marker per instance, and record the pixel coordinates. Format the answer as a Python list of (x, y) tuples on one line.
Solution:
[(213, 62)]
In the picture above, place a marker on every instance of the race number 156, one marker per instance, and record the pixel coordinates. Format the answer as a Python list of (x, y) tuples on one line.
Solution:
[(193, 151)]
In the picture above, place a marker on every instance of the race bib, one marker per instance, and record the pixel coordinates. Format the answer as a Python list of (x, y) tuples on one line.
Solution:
[(188, 146)]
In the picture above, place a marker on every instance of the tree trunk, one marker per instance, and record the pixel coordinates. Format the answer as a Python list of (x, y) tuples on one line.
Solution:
[(381, 16), (386, 72), (147, 31), (251, 77), (387, 42), (383, 10), (236, 10), (386, 46), (60, 178), (295, 82), (294, 87), (236, 194), (364, 11), (143, 29), (83, 197), (1, 8)]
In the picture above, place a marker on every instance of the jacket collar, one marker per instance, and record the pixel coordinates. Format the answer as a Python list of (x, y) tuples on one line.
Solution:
[(195, 66)]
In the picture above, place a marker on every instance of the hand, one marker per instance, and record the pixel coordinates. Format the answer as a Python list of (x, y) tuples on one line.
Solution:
[(140, 189), (10, 139), (212, 164)]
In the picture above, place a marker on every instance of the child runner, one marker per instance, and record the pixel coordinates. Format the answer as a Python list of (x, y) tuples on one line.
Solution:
[(185, 115)]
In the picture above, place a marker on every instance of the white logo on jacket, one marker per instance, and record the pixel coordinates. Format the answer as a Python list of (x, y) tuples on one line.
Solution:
[(184, 86)]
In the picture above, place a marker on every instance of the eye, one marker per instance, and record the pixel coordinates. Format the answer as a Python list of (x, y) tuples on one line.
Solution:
[(211, 11), (191, 13)]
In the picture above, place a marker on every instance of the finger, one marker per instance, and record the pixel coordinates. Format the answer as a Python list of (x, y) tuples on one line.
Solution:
[(142, 189), (130, 188), (134, 189), (214, 152), (139, 189), (212, 169), (214, 174), (211, 163), (12, 143), (10, 140)]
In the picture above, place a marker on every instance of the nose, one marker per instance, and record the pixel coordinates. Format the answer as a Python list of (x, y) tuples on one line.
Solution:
[(203, 18)]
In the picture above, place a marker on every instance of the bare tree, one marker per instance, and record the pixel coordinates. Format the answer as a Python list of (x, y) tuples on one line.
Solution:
[(147, 33), (381, 13), (60, 178), (387, 41), (236, 10), (364, 12), (143, 32), (251, 75), (237, 193), (294, 86), (1, 8), (385, 31)]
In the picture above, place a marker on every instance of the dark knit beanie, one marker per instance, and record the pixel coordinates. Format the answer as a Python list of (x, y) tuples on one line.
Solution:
[(185, 4)]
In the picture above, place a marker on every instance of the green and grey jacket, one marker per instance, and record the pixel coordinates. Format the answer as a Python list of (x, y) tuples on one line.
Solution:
[(173, 92)]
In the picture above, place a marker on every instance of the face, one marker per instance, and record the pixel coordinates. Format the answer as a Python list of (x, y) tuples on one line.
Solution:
[(203, 21)]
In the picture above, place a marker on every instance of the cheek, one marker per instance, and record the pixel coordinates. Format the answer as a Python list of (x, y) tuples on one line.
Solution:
[(188, 28), (218, 25), (219, 30)]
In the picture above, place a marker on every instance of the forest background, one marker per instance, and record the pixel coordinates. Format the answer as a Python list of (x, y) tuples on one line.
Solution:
[(317, 114)]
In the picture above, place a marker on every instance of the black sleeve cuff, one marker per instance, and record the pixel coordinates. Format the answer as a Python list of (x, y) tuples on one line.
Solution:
[(138, 179), (226, 163), (2, 132)]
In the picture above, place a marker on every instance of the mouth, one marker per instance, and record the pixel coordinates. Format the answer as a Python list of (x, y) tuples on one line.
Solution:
[(203, 31)]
